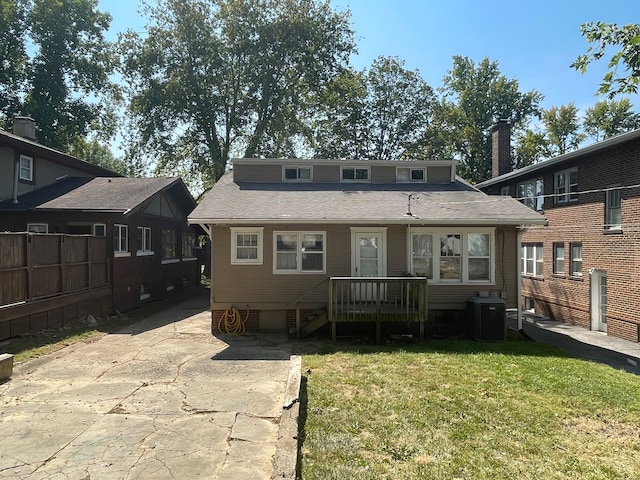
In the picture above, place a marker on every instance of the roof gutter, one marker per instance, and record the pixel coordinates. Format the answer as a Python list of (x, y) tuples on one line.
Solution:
[(363, 221)]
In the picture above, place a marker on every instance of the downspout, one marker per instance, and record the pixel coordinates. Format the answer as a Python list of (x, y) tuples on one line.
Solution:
[(519, 233)]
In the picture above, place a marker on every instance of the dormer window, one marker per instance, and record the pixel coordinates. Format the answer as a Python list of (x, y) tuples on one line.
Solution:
[(296, 174), (409, 175), (355, 174)]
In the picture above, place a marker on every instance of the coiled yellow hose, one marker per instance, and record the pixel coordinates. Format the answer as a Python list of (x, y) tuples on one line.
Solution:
[(231, 322)]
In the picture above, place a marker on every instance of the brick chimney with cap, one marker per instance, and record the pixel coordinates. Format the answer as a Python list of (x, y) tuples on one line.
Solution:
[(501, 148), (24, 127)]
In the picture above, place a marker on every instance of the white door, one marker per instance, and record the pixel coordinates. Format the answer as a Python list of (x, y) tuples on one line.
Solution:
[(599, 300), (368, 260)]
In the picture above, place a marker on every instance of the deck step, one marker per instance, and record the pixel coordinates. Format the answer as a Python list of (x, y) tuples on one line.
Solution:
[(313, 323)]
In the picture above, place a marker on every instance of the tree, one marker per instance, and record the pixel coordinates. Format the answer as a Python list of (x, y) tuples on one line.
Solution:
[(94, 152), (562, 129), (627, 39), (530, 147), (216, 78), (608, 118), (69, 73), (13, 58), (379, 114), (474, 97)]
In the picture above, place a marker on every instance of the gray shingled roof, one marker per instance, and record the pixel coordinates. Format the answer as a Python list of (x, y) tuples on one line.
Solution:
[(116, 194), (230, 202)]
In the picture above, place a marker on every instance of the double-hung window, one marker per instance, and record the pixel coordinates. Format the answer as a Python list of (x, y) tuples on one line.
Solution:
[(120, 239), (246, 246), (299, 174), (409, 175), (566, 186), (558, 258), (299, 252), (613, 207), (169, 246), (188, 245), (532, 260), (576, 259), (26, 168), (144, 234), (531, 193), (449, 256), (355, 174)]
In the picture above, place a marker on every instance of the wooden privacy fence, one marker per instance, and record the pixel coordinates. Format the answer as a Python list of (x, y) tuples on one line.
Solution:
[(47, 280), (37, 266)]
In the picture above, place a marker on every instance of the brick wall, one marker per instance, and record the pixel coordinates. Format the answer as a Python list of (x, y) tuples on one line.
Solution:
[(568, 298)]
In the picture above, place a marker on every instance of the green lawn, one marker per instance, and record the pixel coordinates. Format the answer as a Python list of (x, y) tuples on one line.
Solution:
[(466, 410)]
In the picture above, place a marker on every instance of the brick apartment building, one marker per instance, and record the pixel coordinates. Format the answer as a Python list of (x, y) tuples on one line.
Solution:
[(584, 266)]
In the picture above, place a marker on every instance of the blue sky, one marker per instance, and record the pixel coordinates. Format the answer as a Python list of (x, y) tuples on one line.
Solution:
[(534, 42)]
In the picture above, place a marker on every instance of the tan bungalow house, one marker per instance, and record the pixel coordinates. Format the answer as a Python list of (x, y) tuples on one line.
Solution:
[(291, 237)]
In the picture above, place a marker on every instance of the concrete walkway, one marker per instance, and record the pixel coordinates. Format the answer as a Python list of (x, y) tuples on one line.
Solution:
[(163, 399), (580, 342)]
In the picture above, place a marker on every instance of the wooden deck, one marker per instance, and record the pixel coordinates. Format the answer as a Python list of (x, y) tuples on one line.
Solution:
[(378, 300)]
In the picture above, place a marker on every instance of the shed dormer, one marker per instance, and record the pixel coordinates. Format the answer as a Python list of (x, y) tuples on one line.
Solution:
[(258, 170)]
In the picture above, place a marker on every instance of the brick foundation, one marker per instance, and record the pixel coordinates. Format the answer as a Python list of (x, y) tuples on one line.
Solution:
[(251, 322), (625, 330)]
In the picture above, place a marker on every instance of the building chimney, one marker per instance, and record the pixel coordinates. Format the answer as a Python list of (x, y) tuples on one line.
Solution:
[(501, 148), (24, 127)]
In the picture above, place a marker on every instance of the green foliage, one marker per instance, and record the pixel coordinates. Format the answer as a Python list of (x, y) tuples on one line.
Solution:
[(13, 57), (230, 77), (73, 61), (608, 118), (94, 152), (367, 114), (474, 97), (64, 84), (627, 40), (563, 129)]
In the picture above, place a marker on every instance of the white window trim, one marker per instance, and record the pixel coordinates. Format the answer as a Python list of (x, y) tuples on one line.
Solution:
[(170, 260), (297, 168), (120, 252), (464, 236), (298, 270), (31, 225), (505, 191), (572, 273), (411, 169), (535, 273), (146, 250), (30, 160), (355, 180), (566, 196), (259, 231)]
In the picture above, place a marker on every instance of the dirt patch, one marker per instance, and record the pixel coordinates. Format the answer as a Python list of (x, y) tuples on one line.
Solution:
[(605, 429)]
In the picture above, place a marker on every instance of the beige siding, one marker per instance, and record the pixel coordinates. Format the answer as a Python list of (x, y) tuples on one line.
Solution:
[(258, 287), (383, 175), (257, 173), (439, 174), (326, 173)]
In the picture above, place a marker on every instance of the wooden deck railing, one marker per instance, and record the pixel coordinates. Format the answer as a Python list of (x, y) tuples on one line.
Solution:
[(378, 299)]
